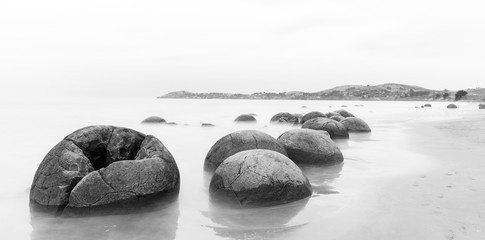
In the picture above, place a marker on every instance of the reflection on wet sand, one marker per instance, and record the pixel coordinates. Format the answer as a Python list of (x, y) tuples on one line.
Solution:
[(247, 223), (158, 221), (321, 177)]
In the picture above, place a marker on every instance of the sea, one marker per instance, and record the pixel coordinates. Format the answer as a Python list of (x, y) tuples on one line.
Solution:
[(341, 194)]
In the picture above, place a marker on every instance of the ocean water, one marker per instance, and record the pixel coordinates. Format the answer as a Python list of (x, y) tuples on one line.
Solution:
[(343, 195)]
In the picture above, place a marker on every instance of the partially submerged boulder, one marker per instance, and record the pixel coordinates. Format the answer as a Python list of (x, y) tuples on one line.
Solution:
[(245, 118), (239, 141), (284, 117), (311, 115), (332, 114), (102, 165), (344, 113), (310, 146), (481, 106), (258, 177), (451, 105), (154, 119), (427, 105), (354, 124), (334, 128)]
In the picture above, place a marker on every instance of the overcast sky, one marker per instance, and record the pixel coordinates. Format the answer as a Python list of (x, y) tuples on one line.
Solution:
[(137, 48)]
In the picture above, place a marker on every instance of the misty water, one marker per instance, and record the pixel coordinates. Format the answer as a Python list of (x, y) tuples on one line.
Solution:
[(341, 194)]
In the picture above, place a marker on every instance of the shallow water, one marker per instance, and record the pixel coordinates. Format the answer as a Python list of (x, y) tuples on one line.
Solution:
[(343, 195)]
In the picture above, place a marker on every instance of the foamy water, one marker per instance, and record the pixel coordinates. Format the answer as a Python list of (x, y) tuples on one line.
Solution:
[(30, 128)]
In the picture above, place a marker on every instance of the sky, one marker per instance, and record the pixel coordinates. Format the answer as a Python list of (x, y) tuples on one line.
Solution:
[(149, 48)]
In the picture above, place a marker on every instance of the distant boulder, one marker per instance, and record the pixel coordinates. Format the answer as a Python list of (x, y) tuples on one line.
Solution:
[(331, 114), (308, 146), (344, 113), (154, 119), (284, 117), (427, 105), (451, 105), (207, 125), (258, 177), (239, 141), (354, 124), (334, 128), (245, 118), (311, 115), (481, 106)]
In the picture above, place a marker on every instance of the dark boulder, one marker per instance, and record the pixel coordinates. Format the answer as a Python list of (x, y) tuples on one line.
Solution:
[(207, 125), (334, 128), (344, 113), (284, 117), (154, 119), (245, 118), (102, 165), (258, 177), (332, 114), (354, 124), (311, 115), (310, 146), (427, 105), (337, 118), (451, 105), (237, 142), (481, 106)]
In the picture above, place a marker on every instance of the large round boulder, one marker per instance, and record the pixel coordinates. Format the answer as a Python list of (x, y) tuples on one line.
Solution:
[(103, 165), (245, 118), (344, 113), (481, 106), (239, 141), (354, 124), (337, 118), (258, 177), (334, 128), (154, 119), (310, 146), (284, 117), (311, 115), (451, 105)]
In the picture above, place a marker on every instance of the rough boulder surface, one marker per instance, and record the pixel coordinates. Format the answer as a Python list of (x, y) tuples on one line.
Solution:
[(337, 118), (101, 165), (258, 178), (344, 113), (237, 142), (451, 106), (311, 115), (154, 119), (334, 128), (354, 124), (284, 117), (245, 118), (310, 146)]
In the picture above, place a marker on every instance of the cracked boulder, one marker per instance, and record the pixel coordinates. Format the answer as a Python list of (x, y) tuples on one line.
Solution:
[(239, 141), (308, 146), (248, 118), (354, 124), (258, 177), (334, 128), (344, 113), (284, 117), (312, 115), (102, 165)]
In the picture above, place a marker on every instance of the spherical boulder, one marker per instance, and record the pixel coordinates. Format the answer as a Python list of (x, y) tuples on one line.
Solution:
[(310, 146), (334, 128), (311, 115), (103, 165), (332, 114), (344, 113), (284, 117), (427, 105), (337, 118), (481, 106), (451, 105), (258, 177), (354, 124), (245, 118), (154, 119), (239, 141)]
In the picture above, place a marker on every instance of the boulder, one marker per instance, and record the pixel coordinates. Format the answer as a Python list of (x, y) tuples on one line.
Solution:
[(354, 124), (451, 105), (334, 128), (207, 125), (245, 118), (154, 119), (284, 117), (427, 105), (332, 114), (310, 146), (344, 113), (258, 177), (337, 118), (311, 115), (239, 141), (102, 165), (481, 106)]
